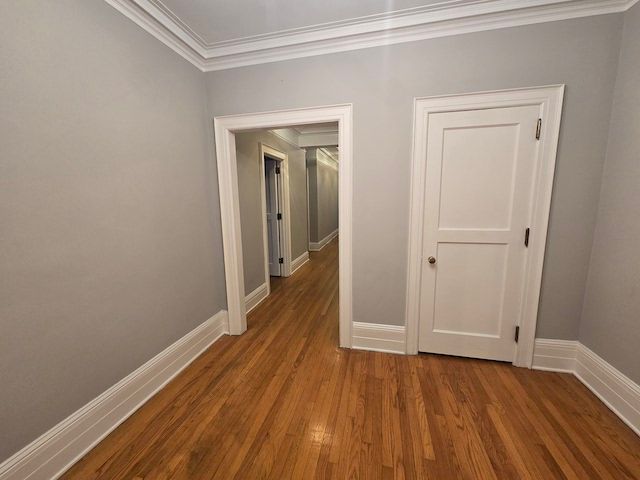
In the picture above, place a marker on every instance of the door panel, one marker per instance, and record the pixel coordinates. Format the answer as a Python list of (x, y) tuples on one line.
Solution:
[(479, 185), (477, 177), (470, 290), (273, 227)]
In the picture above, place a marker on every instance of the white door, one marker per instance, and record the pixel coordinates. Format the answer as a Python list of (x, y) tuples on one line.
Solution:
[(478, 202), (271, 184)]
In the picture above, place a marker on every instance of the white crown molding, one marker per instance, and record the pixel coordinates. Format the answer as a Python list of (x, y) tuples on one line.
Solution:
[(151, 25), (436, 20), (57, 450), (617, 391)]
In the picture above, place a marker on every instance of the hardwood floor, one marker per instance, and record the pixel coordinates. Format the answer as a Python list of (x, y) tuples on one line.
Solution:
[(283, 401)]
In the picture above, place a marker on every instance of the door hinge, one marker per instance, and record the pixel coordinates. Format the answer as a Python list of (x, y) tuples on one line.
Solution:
[(277, 169), (538, 129), (279, 216), (517, 333), (281, 260), (526, 237)]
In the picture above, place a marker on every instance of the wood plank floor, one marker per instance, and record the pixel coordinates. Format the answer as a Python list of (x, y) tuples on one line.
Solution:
[(283, 401)]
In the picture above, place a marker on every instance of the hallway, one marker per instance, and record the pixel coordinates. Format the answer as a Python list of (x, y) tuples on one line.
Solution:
[(283, 401)]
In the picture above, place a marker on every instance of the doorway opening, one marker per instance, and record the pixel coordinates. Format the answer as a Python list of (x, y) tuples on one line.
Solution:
[(276, 197)]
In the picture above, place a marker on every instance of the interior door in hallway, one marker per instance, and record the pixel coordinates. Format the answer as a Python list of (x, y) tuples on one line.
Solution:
[(272, 191), (480, 174)]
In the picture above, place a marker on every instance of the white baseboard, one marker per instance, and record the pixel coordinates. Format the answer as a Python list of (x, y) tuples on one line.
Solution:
[(617, 391), (254, 298), (555, 355), (379, 338), (298, 262), (317, 246), (58, 449)]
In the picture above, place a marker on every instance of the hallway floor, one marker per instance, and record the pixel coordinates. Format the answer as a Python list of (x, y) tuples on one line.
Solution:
[(283, 401)]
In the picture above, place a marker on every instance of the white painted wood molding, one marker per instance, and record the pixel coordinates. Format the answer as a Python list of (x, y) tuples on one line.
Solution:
[(50, 455), (440, 19), (617, 391), (317, 246), (299, 262), (379, 338), (256, 297)]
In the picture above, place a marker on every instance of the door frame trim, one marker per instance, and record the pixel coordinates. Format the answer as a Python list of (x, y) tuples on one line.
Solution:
[(549, 98), (285, 226), (225, 128)]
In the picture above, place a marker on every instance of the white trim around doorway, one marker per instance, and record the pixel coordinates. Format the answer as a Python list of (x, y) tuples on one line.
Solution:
[(225, 128), (549, 100)]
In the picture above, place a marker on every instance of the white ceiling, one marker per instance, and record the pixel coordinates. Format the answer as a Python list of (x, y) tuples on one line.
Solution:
[(216, 21)]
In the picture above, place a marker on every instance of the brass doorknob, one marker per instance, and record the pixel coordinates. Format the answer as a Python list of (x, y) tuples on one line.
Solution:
[(431, 260)]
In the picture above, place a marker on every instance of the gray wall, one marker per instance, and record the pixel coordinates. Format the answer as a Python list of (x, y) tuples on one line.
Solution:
[(323, 197), (248, 159), (327, 200), (110, 247), (298, 204), (312, 176), (110, 244), (382, 82), (611, 315)]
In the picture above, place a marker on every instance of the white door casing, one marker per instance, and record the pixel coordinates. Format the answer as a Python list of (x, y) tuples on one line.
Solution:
[(479, 179)]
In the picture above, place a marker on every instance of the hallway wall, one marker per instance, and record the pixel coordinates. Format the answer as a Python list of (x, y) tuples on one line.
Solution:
[(323, 195), (611, 314), (110, 243), (249, 187)]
